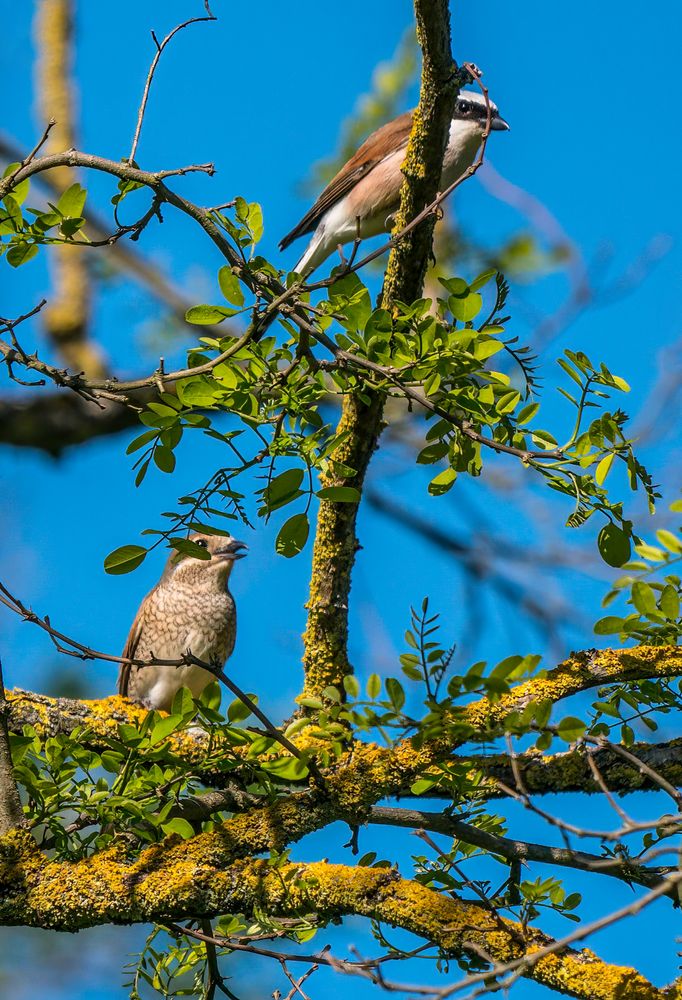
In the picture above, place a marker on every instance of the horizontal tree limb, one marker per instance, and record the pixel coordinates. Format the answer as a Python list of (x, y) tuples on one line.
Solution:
[(178, 879), (370, 772), (54, 421), (570, 771)]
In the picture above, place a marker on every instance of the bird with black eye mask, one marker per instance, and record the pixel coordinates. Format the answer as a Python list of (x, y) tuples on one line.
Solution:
[(189, 610), (363, 197)]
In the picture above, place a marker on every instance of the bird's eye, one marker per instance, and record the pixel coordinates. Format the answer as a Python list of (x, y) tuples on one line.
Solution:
[(202, 542), (464, 107)]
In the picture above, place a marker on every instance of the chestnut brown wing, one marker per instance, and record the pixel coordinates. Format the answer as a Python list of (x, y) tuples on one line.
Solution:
[(377, 147)]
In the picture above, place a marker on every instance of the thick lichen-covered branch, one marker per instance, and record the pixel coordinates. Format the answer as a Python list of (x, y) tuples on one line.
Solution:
[(579, 672), (361, 777), (177, 879), (546, 774), (325, 656), (326, 637)]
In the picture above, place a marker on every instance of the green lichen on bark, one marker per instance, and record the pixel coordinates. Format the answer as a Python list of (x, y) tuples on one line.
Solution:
[(326, 636), (407, 264), (362, 418)]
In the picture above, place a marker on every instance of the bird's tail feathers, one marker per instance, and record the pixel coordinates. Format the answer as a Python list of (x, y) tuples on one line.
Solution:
[(316, 252)]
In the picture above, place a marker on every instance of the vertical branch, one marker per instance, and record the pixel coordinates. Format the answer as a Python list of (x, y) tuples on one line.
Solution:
[(67, 314), (325, 656), (11, 813), (407, 264)]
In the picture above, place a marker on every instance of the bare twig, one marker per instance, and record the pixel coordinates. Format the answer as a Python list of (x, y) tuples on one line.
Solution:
[(122, 255), (521, 850), (152, 69), (640, 766)]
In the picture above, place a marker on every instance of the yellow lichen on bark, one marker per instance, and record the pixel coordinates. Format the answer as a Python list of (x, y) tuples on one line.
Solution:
[(581, 671), (176, 879)]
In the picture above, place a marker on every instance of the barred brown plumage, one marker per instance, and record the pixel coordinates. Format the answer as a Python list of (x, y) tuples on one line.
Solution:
[(189, 610)]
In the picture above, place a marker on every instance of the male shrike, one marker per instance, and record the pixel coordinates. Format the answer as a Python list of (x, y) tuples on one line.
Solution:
[(365, 194)]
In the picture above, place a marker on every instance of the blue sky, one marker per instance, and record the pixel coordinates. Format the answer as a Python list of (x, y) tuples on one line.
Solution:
[(592, 94)]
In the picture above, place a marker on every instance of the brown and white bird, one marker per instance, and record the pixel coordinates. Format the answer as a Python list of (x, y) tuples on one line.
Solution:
[(365, 194), (190, 609)]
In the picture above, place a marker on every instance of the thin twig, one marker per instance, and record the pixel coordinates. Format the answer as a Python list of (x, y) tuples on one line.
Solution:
[(152, 69)]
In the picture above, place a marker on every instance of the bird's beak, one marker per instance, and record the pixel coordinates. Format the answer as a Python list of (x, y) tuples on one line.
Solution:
[(233, 550), (499, 124)]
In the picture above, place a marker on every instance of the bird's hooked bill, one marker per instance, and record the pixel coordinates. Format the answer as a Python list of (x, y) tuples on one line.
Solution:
[(233, 550), (499, 124)]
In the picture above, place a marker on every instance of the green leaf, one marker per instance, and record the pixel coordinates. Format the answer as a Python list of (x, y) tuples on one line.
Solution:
[(204, 315), (237, 711), (72, 202), (608, 626), (670, 541), (526, 414), (140, 441), (199, 390), (286, 768), (179, 826), (570, 729), (484, 349), (183, 703), (164, 459), (669, 602), (292, 536), (230, 287), (432, 453), (422, 785), (465, 308), (443, 482), (164, 728), (19, 191), (124, 559), (211, 696), (456, 286), (373, 686), (543, 439), (351, 685), (339, 494), (255, 221), (614, 545), (643, 597), (282, 489), (21, 253), (395, 692), (603, 468), (482, 279)]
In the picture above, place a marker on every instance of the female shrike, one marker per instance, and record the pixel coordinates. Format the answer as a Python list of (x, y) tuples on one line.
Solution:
[(365, 194)]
